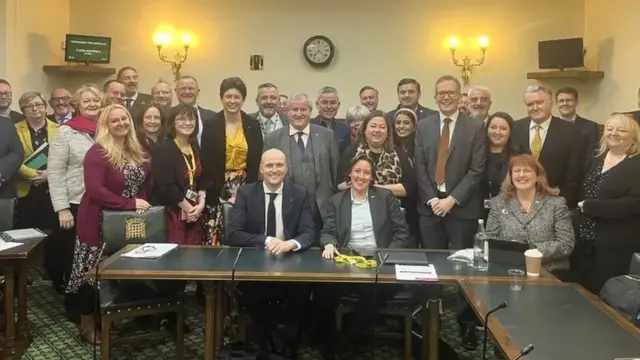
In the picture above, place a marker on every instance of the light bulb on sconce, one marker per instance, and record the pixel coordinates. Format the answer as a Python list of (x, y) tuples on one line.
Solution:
[(162, 39), (466, 65)]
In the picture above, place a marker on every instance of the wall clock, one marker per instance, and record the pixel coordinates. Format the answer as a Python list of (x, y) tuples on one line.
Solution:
[(318, 50)]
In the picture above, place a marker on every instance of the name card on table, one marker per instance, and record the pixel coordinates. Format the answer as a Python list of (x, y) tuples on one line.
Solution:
[(416, 273)]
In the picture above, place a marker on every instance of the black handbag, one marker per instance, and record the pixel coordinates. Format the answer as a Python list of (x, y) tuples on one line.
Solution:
[(121, 228), (622, 293)]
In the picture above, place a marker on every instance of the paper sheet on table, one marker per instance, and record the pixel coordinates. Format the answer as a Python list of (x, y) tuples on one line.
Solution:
[(150, 251), (21, 234), (416, 273), (5, 245)]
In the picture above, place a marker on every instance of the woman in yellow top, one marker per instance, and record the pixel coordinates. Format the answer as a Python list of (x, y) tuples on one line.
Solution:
[(231, 148), (35, 132), (34, 208)]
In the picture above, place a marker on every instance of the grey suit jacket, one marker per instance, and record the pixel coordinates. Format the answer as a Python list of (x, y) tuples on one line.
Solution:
[(547, 227), (464, 169), (325, 150), (11, 157), (389, 225)]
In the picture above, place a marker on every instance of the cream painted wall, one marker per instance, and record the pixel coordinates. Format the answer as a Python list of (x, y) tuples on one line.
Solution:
[(33, 32), (609, 30), (3, 39), (378, 41)]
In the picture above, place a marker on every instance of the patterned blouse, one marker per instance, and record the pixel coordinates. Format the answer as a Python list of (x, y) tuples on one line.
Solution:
[(591, 191)]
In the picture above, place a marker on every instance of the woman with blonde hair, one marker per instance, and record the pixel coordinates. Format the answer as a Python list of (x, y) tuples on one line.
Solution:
[(529, 210), (118, 180), (66, 173), (610, 206)]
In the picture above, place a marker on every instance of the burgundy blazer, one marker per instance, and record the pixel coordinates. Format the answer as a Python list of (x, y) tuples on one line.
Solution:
[(103, 188)]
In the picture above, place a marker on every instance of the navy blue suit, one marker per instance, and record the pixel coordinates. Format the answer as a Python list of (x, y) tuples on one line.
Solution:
[(247, 218), (341, 131)]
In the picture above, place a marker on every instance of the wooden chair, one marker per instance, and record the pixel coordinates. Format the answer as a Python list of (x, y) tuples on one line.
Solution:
[(401, 305), (124, 299)]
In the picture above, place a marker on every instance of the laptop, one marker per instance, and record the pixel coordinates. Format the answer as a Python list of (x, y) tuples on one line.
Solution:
[(507, 252), (404, 258)]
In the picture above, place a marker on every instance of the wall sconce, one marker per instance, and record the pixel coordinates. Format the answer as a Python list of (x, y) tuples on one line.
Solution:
[(465, 64), (163, 39)]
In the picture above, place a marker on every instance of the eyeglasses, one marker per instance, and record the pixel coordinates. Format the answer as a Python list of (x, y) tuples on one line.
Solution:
[(145, 249), (6, 94), (61, 98), (443, 94), (185, 120), (38, 106)]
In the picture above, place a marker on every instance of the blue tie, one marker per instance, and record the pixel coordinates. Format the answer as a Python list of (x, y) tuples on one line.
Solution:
[(300, 142)]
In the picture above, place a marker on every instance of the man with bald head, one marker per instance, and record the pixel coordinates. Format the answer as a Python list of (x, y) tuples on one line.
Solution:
[(273, 213), (60, 102)]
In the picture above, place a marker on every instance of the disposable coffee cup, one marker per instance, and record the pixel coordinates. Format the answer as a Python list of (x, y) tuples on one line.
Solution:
[(533, 258)]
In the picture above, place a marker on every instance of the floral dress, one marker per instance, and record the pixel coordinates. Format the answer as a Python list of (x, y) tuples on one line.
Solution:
[(85, 256)]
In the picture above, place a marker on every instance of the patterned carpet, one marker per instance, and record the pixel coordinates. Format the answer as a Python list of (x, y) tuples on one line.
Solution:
[(55, 338)]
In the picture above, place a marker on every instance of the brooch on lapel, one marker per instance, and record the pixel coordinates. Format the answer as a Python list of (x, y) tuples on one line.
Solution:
[(504, 211)]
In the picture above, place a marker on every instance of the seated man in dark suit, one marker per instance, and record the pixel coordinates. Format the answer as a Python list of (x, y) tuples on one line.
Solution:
[(274, 214)]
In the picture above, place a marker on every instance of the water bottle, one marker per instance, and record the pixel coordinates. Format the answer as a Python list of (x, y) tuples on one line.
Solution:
[(481, 248)]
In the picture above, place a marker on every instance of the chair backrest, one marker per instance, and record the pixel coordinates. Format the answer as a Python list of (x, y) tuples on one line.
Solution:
[(226, 211), (7, 214), (634, 268), (120, 228)]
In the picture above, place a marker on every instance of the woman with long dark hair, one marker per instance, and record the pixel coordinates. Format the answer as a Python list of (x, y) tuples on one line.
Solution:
[(149, 121)]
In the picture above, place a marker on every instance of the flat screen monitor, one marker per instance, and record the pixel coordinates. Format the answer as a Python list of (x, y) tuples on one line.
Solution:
[(87, 49), (561, 53)]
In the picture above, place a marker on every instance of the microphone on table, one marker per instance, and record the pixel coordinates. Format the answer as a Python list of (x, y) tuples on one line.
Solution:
[(486, 327), (524, 351), (384, 259), (235, 262)]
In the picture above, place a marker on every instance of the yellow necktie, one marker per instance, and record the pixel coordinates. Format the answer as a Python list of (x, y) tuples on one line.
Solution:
[(536, 144)]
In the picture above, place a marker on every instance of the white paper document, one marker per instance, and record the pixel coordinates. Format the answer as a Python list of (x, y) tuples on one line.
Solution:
[(416, 273), (22, 234), (4, 245), (150, 251)]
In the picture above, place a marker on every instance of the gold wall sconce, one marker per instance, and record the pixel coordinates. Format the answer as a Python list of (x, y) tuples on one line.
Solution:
[(163, 39), (466, 65)]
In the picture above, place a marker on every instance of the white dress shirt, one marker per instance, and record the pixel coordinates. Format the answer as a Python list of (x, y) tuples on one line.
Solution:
[(199, 135), (543, 130), (452, 126), (131, 98), (305, 133), (362, 235), (277, 203)]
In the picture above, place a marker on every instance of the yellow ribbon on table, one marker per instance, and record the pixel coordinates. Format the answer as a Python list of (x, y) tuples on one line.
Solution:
[(357, 261)]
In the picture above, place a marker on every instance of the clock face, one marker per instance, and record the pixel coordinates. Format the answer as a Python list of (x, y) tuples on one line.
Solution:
[(318, 50)]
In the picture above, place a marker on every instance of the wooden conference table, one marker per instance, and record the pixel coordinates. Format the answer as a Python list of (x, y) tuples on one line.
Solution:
[(13, 261), (561, 320), (218, 264)]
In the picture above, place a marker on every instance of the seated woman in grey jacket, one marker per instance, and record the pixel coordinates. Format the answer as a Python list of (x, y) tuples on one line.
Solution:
[(529, 210)]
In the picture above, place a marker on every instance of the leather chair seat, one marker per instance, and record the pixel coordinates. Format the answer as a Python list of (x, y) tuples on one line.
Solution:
[(118, 295)]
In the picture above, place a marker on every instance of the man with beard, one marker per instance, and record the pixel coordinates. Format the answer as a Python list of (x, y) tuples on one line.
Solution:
[(60, 102), (133, 99), (479, 103), (567, 101), (268, 105), (409, 93)]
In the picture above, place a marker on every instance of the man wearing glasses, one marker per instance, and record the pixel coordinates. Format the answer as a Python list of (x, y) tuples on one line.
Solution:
[(60, 102), (5, 103)]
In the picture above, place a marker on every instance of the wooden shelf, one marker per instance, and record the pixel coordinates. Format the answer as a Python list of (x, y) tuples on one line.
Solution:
[(77, 69), (567, 74)]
